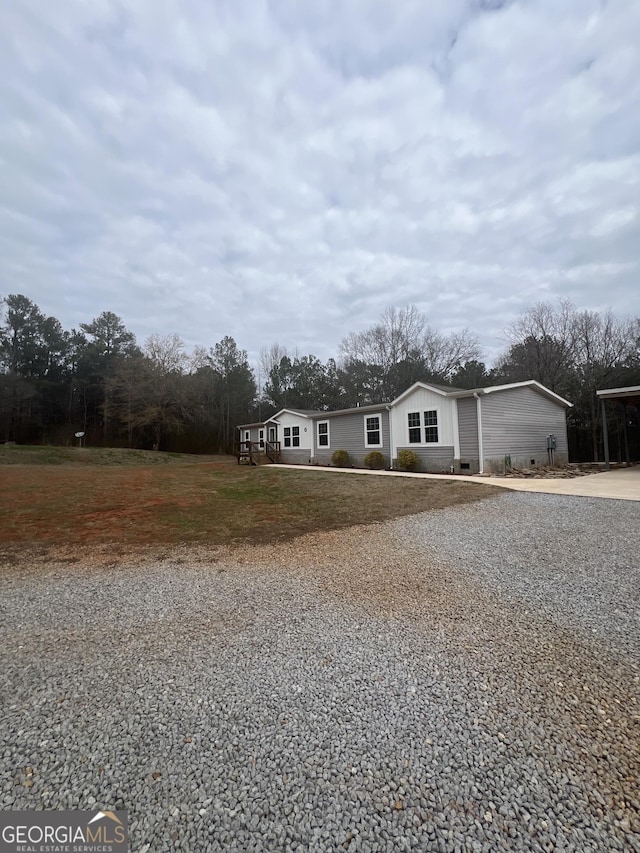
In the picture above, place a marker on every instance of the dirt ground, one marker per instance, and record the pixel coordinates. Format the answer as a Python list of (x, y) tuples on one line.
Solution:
[(70, 507)]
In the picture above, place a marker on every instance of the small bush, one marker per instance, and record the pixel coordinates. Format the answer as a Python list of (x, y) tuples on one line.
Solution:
[(407, 460), (341, 459), (375, 460)]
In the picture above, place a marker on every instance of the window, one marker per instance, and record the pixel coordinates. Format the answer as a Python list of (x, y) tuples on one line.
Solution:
[(372, 431), (431, 426), (323, 433), (261, 438), (414, 427), (291, 436)]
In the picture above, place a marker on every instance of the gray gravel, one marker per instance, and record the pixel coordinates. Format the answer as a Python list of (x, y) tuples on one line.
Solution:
[(575, 559), (466, 680)]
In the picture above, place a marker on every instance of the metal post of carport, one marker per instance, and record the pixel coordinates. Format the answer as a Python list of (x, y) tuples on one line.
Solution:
[(627, 455), (629, 396), (605, 434)]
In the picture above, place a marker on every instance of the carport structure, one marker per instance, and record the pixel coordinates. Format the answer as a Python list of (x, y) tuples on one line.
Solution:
[(629, 396)]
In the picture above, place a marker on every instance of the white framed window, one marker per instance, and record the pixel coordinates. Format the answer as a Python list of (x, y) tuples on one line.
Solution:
[(323, 434), (415, 431), (287, 436), (295, 436), (247, 435), (372, 431), (431, 427), (261, 438)]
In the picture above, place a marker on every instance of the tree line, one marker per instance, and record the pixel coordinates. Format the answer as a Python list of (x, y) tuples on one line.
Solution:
[(96, 379)]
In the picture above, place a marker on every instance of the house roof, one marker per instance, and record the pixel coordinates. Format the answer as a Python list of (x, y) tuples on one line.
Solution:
[(370, 407), (446, 388), (305, 413), (446, 391), (470, 392), (531, 383)]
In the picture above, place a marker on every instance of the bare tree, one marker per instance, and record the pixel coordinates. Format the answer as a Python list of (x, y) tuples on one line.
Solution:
[(574, 353), (397, 337), (543, 345), (149, 399), (604, 348), (270, 357), (446, 354), (402, 348), (199, 359), (166, 352)]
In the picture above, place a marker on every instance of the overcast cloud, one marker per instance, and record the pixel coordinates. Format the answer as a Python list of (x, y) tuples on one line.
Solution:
[(283, 171)]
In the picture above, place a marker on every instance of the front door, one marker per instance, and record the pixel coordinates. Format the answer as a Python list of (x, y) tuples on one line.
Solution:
[(272, 434)]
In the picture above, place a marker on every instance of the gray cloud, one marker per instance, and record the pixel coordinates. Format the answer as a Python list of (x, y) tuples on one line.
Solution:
[(284, 171)]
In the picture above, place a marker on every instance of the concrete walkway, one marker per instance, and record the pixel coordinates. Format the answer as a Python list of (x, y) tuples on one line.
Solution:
[(620, 484)]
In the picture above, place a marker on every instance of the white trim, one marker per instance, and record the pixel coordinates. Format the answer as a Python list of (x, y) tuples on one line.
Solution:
[(291, 437), (631, 390), (456, 432), (530, 383), (408, 429), (423, 427), (377, 415), (480, 441), (326, 446), (290, 412), (424, 385)]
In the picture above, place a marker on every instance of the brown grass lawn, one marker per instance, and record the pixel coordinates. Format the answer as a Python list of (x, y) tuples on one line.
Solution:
[(55, 496)]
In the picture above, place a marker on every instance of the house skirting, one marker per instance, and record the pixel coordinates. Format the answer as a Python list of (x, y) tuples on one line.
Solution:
[(431, 460), (497, 464), (357, 459), (295, 457)]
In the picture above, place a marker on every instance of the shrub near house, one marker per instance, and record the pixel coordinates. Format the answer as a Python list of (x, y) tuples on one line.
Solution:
[(374, 460), (407, 460), (430, 428), (341, 459)]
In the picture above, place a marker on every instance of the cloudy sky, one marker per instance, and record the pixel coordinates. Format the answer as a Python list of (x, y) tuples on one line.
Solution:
[(279, 170)]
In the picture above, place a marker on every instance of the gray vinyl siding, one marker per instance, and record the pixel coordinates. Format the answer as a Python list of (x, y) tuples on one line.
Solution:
[(346, 432), (254, 433), (433, 460), (516, 423), (468, 427)]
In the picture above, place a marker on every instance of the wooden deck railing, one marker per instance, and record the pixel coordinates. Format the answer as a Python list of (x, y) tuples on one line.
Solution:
[(272, 449), (254, 451)]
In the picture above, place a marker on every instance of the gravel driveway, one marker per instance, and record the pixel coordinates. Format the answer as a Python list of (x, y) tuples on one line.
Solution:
[(463, 680)]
